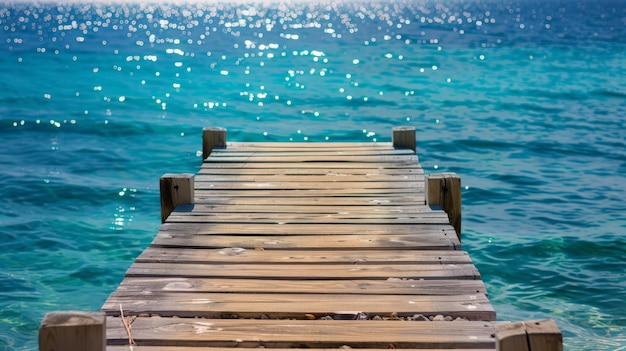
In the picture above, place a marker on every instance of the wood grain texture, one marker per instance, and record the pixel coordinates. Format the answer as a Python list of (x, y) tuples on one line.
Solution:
[(325, 177), (280, 228), (213, 138), (175, 189), (307, 158), (404, 138), (444, 191), (209, 198), (241, 255), (141, 285), (301, 218), (204, 348), (537, 335), (294, 164), (255, 207), (323, 196), (344, 185), (544, 335), (305, 271), (303, 146), (300, 152), (301, 231), (311, 242), (297, 306), (334, 170), (304, 334), (73, 331)]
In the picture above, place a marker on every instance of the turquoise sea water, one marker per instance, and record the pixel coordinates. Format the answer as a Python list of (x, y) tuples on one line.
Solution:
[(525, 100)]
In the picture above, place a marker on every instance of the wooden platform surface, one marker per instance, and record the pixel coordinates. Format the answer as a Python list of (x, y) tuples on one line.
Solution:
[(283, 236)]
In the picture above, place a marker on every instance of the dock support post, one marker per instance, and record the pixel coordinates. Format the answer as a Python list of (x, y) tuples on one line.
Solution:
[(73, 331), (540, 335), (404, 138), (176, 189), (212, 138), (444, 190)]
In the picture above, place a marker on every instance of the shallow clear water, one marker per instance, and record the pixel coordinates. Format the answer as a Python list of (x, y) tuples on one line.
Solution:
[(525, 100)]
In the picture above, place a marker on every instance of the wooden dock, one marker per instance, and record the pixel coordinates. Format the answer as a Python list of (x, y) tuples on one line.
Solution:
[(308, 245)]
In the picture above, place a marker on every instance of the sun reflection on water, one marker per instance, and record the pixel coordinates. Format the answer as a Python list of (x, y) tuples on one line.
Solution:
[(329, 71)]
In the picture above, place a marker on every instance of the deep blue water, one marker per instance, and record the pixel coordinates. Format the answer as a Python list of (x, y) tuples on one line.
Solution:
[(525, 100)]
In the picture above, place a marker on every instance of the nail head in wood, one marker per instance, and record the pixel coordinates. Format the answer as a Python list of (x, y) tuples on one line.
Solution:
[(73, 331), (176, 189), (404, 138), (212, 138)]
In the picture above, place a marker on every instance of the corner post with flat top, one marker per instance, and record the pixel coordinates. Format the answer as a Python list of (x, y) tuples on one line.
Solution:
[(212, 138), (404, 138), (443, 190), (73, 331), (176, 189)]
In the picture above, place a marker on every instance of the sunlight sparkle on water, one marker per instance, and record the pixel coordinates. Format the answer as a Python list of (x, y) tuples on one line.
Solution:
[(324, 67)]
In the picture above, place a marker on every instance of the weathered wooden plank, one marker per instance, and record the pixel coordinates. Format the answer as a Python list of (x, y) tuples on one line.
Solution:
[(413, 192), (311, 242), (371, 171), (142, 286), (312, 165), (240, 255), (328, 177), (301, 218), (297, 306), (302, 152), (295, 145), (255, 207), (308, 216), (204, 348), (305, 271), (347, 186), (303, 334), (311, 200), (418, 231), (309, 159)]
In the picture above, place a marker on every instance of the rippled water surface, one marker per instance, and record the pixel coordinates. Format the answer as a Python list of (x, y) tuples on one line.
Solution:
[(526, 100)]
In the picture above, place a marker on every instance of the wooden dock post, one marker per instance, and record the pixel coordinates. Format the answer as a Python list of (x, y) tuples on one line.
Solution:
[(540, 335), (404, 138), (176, 189), (444, 190), (212, 138), (73, 331)]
